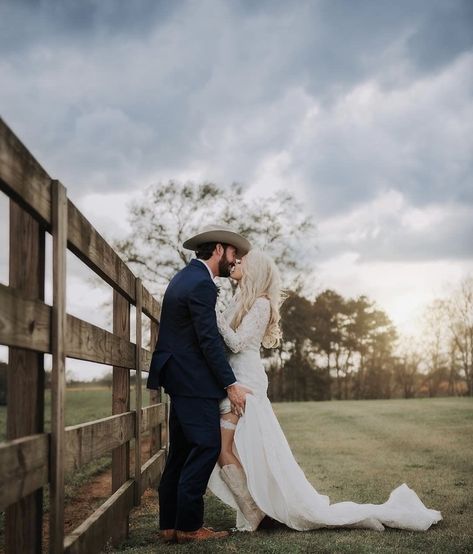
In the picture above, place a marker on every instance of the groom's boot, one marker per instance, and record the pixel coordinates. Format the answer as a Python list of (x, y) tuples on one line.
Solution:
[(202, 534), (235, 479), (167, 535)]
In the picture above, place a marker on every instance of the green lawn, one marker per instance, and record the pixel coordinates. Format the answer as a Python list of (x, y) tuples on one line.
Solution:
[(349, 450), (360, 451), (82, 405)]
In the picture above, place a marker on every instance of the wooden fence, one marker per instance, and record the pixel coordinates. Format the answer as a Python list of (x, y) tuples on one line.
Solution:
[(31, 459)]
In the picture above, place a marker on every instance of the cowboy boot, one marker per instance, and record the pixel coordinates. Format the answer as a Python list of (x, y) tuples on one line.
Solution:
[(202, 534), (235, 479)]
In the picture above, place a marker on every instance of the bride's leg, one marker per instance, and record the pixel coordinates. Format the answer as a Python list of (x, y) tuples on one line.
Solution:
[(232, 472), (227, 429)]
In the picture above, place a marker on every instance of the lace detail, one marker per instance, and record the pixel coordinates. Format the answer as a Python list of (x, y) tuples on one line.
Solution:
[(251, 331), (226, 424)]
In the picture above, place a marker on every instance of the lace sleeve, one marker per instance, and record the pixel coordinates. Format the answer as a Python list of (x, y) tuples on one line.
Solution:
[(253, 325)]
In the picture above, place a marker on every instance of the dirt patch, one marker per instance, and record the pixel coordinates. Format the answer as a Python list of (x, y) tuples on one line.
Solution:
[(94, 493)]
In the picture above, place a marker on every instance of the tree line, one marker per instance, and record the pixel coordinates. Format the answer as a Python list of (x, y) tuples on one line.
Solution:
[(344, 348), (333, 347)]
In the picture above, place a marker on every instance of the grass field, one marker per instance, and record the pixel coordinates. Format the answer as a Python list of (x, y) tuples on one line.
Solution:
[(360, 451), (349, 450), (82, 404)]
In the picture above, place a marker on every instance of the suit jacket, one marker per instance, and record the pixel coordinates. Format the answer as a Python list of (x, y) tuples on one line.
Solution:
[(189, 358)]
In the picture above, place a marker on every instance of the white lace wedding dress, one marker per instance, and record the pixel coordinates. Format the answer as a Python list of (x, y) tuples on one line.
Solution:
[(275, 480)]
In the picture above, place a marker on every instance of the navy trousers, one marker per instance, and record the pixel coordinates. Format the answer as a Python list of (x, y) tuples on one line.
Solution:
[(194, 447)]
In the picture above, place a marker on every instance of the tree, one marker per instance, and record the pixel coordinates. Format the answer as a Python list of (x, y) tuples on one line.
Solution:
[(460, 322), (297, 329), (329, 310), (406, 367), (166, 214), (296, 374), (380, 359), (455, 368), (435, 342), (372, 336)]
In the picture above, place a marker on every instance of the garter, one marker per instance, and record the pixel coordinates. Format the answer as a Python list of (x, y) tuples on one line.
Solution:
[(226, 424)]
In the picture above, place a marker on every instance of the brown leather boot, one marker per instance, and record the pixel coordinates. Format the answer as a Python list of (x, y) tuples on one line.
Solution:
[(167, 535), (202, 534)]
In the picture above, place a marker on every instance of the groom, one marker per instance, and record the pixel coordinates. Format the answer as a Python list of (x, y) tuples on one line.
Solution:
[(190, 363)]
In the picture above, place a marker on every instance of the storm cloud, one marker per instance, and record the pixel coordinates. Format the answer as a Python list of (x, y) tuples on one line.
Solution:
[(364, 109)]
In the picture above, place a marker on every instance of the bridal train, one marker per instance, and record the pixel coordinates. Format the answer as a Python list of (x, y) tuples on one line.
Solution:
[(275, 480), (280, 489)]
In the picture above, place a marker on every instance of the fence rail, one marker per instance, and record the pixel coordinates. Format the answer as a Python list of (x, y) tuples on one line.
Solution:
[(31, 459)]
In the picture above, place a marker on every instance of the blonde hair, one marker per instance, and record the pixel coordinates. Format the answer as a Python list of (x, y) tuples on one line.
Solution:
[(260, 278)]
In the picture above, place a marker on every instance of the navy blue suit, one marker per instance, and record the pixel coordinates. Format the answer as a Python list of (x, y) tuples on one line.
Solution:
[(189, 361)]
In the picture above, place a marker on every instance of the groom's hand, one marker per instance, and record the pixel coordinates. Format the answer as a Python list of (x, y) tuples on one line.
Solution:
[(237, 396)]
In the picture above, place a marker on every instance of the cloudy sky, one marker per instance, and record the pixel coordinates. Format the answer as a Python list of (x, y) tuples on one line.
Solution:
[(364, 109)]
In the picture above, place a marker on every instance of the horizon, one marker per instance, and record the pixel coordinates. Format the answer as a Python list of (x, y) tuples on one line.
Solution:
[(373, 134)]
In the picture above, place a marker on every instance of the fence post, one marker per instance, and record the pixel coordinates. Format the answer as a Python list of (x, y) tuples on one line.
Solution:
[(58, 380), (138, 296), (25, 391), (120, 404), (155, 395)]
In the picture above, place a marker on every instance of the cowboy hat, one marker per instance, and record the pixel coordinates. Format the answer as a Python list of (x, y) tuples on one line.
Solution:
[(218, 233)]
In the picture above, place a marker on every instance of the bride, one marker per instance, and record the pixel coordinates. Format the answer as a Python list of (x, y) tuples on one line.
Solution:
[(256, 473)]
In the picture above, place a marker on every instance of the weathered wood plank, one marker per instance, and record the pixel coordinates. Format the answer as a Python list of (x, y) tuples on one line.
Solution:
[(88, 245), (25, 400), (152, 470), (120, 404), (92, 535), (88, 441), (152, 416), (145, 359), (22, 178), (151, 306), (138, 386), (24, 323), (23, 467), (88, 342), (3, 383), (24, 461), (58, 374)]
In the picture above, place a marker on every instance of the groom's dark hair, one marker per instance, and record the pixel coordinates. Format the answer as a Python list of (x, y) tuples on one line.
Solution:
[(204, 251)]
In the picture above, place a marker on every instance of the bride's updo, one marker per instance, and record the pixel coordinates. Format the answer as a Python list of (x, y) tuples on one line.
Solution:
[(260, 277)]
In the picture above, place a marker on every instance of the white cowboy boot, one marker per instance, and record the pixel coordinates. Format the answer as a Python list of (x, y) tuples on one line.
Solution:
[(235, 479)]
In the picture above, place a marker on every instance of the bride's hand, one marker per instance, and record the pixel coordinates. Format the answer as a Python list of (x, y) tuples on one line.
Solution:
[(237, 396), (235, 410)]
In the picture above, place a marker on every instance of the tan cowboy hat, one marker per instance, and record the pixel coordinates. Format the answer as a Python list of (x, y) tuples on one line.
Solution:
[(219, 233)]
